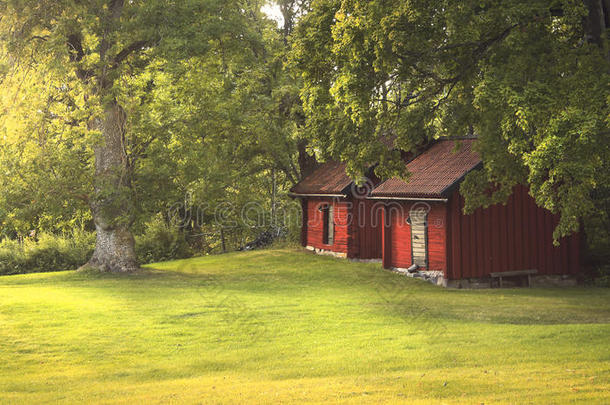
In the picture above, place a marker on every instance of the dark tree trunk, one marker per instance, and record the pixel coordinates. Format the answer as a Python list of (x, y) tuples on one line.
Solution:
[(112, 205), (307, 162), (222, 240), (273, 197), (595, 21)]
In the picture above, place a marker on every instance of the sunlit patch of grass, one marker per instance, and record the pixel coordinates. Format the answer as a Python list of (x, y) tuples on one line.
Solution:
[(286, 326)]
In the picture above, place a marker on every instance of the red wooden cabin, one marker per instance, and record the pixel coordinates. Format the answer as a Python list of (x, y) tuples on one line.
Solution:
[(337, 217), (424, 225)]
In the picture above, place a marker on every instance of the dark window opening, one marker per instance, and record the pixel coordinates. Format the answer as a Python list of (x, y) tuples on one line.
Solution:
[(328, 232)]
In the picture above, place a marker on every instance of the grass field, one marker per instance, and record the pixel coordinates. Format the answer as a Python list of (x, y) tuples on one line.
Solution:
[(284, 326)]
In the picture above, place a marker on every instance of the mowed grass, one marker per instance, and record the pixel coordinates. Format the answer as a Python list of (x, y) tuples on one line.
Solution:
[(285, 326)]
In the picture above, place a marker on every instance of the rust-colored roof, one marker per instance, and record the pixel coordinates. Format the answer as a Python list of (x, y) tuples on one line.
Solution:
[(329, 178), (434, 171)]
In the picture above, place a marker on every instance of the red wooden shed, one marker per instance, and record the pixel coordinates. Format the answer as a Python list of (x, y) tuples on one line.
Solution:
[(337, 217), (426, 233)]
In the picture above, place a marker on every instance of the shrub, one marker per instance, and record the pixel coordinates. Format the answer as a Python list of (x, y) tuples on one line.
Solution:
[(48, 253), (12, 257), (161, 242), (69, 251), (603, 279)]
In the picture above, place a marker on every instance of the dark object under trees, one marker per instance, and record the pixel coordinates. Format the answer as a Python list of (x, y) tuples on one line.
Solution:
[(265, 239)]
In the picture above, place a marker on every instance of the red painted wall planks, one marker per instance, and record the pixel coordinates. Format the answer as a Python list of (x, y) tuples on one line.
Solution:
[(357, 227), (454, 268), (386, 238), (397, 246), (515, 236), (367, 229), (315, 224), (304, 212)]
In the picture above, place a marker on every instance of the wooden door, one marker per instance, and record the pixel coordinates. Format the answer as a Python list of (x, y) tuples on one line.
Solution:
[(419, 237)]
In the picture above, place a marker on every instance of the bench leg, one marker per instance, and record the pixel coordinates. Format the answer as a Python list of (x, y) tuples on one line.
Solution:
[(529, 281), (500, 281)]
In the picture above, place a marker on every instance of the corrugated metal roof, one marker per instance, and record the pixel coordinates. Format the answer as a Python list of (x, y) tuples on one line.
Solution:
[(329, 178), (433, 171)]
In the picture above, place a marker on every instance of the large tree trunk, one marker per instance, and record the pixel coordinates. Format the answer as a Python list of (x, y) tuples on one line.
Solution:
[(112, 205)]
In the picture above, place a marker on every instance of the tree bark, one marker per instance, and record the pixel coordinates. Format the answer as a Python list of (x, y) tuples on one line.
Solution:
[(273, 197), (595, 22), (307, 162), (112, 205), (222, 240)]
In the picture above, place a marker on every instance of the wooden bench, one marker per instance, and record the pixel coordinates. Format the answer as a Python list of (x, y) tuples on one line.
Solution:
[(527, 273)]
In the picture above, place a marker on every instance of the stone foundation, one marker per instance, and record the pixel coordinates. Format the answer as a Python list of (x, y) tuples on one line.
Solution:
[(554, 281), (470, 283), (327, 252), (438, 278), (432, 276), (355, 259), (537, 281)]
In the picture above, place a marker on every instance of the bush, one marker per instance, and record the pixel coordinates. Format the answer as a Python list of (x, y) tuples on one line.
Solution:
[(12, 258), (161, 242), (603, 273), (52, 252), (48, 253)]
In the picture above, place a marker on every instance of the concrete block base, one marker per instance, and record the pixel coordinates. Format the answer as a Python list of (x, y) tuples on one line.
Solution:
[(327, 252), (432, 276)]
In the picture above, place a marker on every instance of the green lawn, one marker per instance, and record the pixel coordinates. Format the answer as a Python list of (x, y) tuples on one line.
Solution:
[(287, 326)]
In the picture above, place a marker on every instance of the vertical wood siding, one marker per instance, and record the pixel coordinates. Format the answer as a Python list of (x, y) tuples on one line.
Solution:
[(397, 237), (366, 229), (386, 239), (315, 224), (304, 214), (515, 236), (358, 227)]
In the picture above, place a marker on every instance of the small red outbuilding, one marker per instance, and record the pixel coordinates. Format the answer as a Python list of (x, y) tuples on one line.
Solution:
[(418, 226), (337, 217), (424, 224)]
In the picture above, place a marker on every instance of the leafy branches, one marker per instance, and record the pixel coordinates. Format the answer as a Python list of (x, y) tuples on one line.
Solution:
[(518, 74)]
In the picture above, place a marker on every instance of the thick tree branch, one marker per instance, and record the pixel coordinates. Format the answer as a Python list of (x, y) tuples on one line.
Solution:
[(77, 53), (42, 38), (116, 8), (476, 54), (133, 47)]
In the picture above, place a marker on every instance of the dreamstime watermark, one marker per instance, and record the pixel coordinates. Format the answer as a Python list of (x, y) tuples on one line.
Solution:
[(234, 314), (356, 209), (228, 214)]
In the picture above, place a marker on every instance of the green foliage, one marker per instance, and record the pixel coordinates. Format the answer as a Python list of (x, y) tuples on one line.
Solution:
[(530, 79), (48, 253), (209, 110), (67, 251), (161, 242), (603, 276)]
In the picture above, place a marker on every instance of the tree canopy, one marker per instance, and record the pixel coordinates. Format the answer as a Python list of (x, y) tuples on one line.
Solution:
[(531, 79), (112, 111)]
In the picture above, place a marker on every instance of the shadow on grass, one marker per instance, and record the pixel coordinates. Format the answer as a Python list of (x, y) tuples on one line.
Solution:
[(288, 275)]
